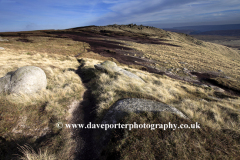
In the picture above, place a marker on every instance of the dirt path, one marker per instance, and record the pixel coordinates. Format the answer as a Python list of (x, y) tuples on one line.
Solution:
[(84, 114), (84, 136)]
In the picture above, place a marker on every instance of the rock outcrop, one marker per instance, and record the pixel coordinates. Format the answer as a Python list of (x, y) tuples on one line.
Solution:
[(112, 66), (122, 107), (27, 79)]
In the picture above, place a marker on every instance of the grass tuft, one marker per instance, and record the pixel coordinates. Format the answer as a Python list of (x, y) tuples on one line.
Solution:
[(29, 154)]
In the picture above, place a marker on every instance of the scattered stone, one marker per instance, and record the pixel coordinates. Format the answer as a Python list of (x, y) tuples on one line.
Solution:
[(27, 79), (3, 40), (21, 125), (214, 98), (193, 76), (226, 77), (203, 100), (185, 69), (204, 85), (220, 70), (112, 66), (1, 48), (169, 72), (217, 88), (182, 62)]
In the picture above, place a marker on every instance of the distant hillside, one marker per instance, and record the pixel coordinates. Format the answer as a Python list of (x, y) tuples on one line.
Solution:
[(219, 32), (204, 28), (224, 30)]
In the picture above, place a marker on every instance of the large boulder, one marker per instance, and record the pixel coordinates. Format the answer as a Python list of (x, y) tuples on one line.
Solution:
[(124, 106), (112, 66), (27, 79)]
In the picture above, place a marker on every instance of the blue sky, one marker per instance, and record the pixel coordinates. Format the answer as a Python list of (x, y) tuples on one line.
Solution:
[(22, 15)]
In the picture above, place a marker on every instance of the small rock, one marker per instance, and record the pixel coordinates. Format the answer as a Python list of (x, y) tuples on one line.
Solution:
[(1, 48), (214, 98), (182, 62), (169, 72), (226, 77), (220, 70), (3, 40), (203, 100), (217, 89), (204, 85), (194, 76), (112, 66)]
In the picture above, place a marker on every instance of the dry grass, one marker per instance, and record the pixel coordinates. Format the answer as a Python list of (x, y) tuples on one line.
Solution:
[(26, 118), (36, 115), (211, 57), (110, 88), (196, 102), (196, 55), (203, 143), (48, 45), (30, 154), (231, 41)]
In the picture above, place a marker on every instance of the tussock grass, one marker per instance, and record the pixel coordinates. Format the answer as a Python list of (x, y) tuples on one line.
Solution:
[(200, 57), (33, 116), (23, 119), (219, 118), (30, 154), (108, 88), (215, 114), (49, 45), (229, 84), (203, 143)]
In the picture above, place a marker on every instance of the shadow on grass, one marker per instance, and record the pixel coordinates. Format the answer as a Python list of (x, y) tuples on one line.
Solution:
[(203, 143), (10, 147)]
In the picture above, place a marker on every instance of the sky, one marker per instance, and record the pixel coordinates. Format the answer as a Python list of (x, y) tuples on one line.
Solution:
[(24, 15)]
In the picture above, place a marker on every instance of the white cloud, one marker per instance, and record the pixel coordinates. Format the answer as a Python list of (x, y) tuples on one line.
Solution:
[(167, 11)]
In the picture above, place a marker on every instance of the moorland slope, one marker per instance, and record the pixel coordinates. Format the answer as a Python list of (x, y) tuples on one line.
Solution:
[(201, 79)]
